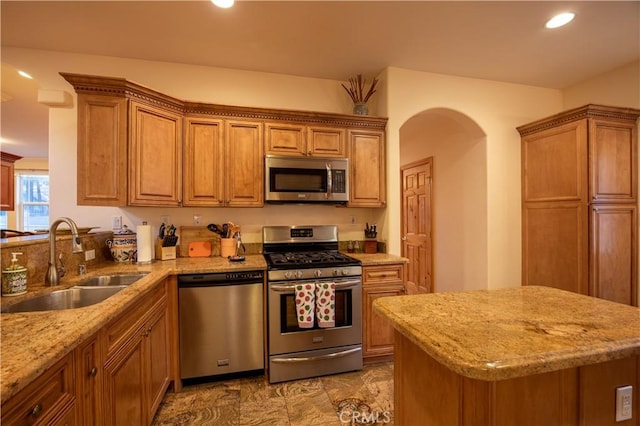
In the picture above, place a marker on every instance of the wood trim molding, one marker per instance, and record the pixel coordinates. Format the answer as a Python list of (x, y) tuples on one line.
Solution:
[(586, 111), (111, 86), (12, 158)]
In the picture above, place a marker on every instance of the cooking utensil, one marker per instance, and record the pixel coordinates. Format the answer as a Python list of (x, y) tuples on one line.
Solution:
[(215, 228), (225, 230)]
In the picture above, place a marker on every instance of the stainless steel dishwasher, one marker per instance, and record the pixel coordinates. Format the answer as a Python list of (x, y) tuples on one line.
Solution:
[(221, 323)]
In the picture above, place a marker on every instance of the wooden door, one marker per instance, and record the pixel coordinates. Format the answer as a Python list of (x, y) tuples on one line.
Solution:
[(157, 358), (244, 164), (417, 243), (203, 163), (155, 157), (613, 265), (124, 390), (102, 150), (367, 186)]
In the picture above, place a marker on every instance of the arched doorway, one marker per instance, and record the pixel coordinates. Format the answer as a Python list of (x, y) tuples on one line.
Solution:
[(456, 146)]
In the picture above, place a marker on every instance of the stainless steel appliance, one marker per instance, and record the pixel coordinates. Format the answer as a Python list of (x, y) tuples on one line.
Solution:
[(221, 323), (306, 179), (302, 254)]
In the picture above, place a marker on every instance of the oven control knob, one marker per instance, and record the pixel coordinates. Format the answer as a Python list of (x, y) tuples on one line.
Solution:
[(317, 273), (335, 273), (299, 274), (345, 272)]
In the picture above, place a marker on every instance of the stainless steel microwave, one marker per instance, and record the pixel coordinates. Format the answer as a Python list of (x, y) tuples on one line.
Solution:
[(306, 179)]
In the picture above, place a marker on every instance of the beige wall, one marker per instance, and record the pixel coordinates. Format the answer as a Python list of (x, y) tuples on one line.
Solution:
[(619, 87)]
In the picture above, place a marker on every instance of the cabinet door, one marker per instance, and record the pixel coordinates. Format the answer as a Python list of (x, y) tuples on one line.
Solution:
[(102, 150), (377, 332), (7, 196), (326, 142), (157, 357), (124, 390), (613, 161), (155, 157), (284, 139), (613, 253), (554, 164), (367, 169), (555, 245), (89, 380), (203, 163), (244, 164)]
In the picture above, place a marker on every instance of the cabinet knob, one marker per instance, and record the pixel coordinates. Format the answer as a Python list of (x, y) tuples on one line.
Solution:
[(36, 411), (93, 372)]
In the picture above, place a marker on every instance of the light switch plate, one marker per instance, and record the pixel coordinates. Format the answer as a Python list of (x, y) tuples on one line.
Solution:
[(89, 255)]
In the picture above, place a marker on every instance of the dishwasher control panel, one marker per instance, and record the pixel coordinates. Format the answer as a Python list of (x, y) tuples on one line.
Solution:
[(221, 278)]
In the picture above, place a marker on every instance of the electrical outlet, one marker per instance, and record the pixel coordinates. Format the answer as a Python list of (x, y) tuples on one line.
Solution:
[(353, 220), (116, 222), (197, 219), (165, 218), (624, 403), (89, 255)]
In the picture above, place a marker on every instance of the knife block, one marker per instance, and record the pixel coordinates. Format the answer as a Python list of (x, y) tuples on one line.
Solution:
[(371, 246), (164, 253)]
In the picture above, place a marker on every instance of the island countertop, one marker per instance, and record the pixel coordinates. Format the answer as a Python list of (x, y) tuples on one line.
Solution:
[(507, 333)]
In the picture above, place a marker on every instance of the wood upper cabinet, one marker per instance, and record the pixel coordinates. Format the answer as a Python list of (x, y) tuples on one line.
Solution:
[(367, 185), (579, 202), (377, 333), (301, 140), (223, 163), (7, 191), (203, 162), (155, 156)]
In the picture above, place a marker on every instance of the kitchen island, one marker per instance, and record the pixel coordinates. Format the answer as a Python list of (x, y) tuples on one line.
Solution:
[(527, 356)]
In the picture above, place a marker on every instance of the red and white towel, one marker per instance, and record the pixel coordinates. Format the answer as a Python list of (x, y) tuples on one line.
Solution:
[(326, 304), (305, 303)]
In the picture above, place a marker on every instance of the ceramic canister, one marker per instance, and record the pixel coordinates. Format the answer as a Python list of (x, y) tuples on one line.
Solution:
[(123, 245)]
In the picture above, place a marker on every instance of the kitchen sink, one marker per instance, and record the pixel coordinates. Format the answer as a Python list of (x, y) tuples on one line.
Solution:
[(110, 280), (71, 298)]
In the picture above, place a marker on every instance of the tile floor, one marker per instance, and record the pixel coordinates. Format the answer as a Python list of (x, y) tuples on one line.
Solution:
[(361, 397)]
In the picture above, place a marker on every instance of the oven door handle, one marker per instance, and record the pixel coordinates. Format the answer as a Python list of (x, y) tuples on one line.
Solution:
[(290, 288), (317, 358)]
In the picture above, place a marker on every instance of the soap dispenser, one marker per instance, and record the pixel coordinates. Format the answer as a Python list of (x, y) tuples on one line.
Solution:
[(14, 278)]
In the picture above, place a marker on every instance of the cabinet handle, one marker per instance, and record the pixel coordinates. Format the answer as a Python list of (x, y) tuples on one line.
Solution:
[(36, 411), (93, 372)]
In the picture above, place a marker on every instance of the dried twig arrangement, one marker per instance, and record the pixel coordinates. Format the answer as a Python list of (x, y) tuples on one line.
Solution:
[(356, 90)]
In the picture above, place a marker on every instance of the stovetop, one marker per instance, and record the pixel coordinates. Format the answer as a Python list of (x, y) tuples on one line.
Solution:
[(308, 259)]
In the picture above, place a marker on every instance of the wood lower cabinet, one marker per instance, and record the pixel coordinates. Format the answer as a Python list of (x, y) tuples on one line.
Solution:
[(377, 333), (367, 184), (89, 382), (49, 400), (155, 156), (579, 202), (136, 369), (301, 140), (7, 191)]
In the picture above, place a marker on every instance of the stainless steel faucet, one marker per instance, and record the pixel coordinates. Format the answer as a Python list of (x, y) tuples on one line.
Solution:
[(54, 273)]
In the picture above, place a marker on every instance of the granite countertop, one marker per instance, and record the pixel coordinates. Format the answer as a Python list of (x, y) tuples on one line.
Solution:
[(371, 259), (32, 342), (507, 333)]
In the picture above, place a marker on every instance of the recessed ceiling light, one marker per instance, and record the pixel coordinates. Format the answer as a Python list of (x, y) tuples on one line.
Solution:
[(560, 20), (225, 4), (25, 75)]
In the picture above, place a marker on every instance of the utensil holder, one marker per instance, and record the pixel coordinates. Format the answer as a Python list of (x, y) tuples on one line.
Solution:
[(228, 247)]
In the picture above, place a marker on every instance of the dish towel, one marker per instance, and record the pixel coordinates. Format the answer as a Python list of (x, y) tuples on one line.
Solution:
[(326, 305), (305, 303)]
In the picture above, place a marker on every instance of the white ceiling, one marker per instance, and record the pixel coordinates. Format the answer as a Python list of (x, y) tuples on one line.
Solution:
[(503, 40)]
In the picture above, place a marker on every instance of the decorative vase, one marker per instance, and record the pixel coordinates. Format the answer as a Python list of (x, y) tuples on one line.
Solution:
[(360, 108)]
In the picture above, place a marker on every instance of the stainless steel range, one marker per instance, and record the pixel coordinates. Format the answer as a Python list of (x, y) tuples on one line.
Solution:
[(309, 255)]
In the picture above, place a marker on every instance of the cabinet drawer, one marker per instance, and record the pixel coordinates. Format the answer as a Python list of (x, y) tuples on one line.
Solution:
[(45, 398), (121, 328), (382, 274)]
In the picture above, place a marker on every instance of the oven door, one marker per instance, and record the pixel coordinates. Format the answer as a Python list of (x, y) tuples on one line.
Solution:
[(284, 334)]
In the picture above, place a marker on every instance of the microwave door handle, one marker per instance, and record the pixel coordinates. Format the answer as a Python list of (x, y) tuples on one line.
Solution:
[(329, 181)]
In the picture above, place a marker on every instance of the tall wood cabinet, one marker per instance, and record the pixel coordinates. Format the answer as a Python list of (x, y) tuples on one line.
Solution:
[(579, 202)]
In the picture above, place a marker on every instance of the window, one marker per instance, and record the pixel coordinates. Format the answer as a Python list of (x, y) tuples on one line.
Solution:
[(3, 220), (32, 193)]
